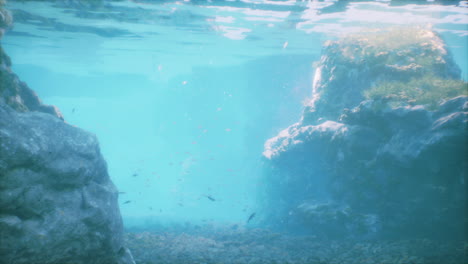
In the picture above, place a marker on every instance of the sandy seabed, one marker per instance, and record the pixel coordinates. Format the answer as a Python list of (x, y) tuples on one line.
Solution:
[(239, 246)]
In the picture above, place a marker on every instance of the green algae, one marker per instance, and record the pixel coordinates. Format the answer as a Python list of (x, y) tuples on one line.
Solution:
[(427, 90), (400, 45)]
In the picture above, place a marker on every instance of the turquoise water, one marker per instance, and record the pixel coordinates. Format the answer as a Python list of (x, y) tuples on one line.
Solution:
[(182, 95)]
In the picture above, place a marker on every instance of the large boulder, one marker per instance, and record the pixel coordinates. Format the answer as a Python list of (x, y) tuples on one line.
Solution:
[(366, 163), (57, 202)]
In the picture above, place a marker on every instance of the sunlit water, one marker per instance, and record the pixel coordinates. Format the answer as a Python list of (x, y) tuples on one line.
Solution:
[(182, 95)]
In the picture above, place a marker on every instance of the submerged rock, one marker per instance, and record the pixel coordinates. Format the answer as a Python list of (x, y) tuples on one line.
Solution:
[(14, 92), (57, 202), (17, 94), (386, 168), (357, 62)]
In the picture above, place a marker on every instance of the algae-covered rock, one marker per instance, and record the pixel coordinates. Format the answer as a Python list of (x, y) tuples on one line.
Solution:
[(371, 162), (356, 63)]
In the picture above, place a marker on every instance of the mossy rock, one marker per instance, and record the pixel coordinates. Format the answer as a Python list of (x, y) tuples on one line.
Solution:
[(427, 90), (394, 53), (400, 45)]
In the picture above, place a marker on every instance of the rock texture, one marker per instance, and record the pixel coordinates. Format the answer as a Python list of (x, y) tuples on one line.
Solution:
[(363, 168), (357, 62), (57, 202), (14, 92)]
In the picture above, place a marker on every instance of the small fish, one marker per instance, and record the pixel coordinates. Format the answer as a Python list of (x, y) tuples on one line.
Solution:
[(73, 110), (127, 202), (122, 192), (135, 174), (210, 197), (250, 217)]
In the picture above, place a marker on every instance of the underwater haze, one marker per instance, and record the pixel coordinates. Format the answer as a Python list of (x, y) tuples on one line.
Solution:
[(223, 119), (181, 95)]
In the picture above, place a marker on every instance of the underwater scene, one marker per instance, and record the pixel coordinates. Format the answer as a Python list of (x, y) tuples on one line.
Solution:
[(233, 132)]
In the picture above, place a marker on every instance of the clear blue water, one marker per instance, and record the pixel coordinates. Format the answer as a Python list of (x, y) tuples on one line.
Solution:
[(182, 95)]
